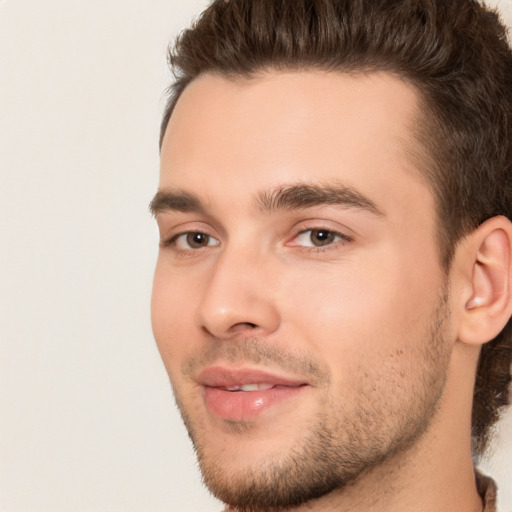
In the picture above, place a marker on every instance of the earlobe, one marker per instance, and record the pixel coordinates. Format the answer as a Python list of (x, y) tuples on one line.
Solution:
[(488, 303)]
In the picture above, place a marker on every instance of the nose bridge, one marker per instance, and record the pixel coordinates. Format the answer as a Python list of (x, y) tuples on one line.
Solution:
[(238, 294)]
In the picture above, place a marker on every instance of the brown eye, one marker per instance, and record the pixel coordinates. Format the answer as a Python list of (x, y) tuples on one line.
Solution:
[(320, 237), (193, 240), (197, 240)]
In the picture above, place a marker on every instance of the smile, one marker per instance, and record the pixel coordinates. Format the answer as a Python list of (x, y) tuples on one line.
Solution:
[(251, 387), (245, 394)]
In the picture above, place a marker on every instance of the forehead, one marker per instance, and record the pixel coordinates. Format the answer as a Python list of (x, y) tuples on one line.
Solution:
[(232, 138)]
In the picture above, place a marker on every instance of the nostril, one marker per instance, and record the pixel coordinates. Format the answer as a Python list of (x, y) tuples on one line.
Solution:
[(235, 329), (244, 325)]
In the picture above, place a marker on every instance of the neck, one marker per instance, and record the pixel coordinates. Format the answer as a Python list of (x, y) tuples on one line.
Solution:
[(433, 476)]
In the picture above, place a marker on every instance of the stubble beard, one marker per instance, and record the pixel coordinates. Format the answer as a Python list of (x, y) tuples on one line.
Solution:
[(337, 450)]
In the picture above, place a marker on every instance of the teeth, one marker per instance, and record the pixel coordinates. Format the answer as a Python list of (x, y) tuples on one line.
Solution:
[(251, 387)]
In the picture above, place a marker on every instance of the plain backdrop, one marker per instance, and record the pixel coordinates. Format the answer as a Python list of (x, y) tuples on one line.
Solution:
[(87, 420)]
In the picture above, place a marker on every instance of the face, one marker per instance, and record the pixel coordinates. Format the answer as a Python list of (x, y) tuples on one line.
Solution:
[(298, 300)]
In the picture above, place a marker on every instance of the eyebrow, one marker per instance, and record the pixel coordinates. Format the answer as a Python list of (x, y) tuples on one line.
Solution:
[(302, 196), (178, 200), (288, 197)]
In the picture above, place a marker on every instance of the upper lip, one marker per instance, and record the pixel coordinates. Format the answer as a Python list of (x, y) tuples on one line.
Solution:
[(224, 377)]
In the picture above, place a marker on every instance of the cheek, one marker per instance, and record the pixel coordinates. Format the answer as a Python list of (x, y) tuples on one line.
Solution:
[(361, 310), (171, 307)]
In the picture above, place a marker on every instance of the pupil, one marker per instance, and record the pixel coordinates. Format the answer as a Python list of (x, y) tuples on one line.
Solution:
[(197, 239), (322, 237)]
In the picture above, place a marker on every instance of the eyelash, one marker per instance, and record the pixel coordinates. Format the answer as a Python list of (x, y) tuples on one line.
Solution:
[(172, 242), (339, 237)]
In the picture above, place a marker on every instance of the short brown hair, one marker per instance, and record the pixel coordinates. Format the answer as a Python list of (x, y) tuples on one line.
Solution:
[(454, 52)]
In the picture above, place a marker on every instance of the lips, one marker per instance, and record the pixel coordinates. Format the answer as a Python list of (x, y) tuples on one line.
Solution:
[(244, 394)]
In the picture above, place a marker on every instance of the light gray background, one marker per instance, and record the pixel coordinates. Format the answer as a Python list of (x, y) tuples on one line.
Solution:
[(87, 420)]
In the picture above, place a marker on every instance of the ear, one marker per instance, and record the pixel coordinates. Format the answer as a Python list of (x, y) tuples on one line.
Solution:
[(484, 259)]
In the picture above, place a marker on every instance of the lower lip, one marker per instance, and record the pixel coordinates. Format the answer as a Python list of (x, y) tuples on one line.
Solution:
[(246, 405)]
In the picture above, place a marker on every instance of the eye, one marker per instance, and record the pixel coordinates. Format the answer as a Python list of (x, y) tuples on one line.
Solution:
[(193, 240), (318, 238)]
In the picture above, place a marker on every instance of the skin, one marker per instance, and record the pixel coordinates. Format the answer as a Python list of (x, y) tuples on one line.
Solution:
[(369, 320)]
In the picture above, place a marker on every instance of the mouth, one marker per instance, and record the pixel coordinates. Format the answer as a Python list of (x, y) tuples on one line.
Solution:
[(251, 387), (241, 394)]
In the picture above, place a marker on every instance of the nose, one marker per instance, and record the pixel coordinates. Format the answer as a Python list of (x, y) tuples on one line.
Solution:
[(238, 297)]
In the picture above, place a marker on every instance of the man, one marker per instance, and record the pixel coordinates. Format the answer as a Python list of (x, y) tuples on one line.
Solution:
[(333, 292)]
